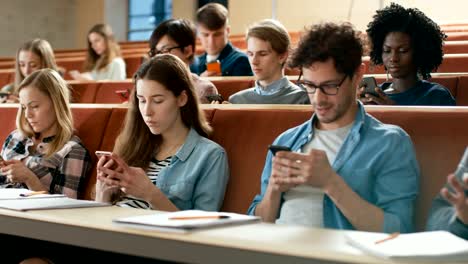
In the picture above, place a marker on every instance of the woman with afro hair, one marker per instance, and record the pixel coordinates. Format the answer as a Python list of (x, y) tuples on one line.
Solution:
[(409, 45)]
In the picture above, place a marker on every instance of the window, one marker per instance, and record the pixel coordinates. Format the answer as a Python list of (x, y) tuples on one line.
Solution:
[(204, 2), (145, 15)]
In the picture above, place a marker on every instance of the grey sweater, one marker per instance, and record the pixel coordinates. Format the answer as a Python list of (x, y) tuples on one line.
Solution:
[(290, 94)]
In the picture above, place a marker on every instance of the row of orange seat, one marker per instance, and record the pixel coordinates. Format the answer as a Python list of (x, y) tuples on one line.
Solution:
[(245, 133), (105, 92), (132, 61)]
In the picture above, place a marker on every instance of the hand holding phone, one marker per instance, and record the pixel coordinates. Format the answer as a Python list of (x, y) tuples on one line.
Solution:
[(123, 94), (276, 148), (214, 66), (369, 84), (101, 153), (214, 97)]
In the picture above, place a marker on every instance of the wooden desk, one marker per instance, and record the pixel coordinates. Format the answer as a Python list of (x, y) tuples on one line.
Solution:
[(259, 242)]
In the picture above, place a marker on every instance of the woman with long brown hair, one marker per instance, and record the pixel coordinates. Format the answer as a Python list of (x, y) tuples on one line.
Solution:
[(162, 158), (31, 56), (103, 59)]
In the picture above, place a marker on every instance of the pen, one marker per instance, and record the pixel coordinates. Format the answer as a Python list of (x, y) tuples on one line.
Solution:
[(33, 193), (390, 237), (199, 217)]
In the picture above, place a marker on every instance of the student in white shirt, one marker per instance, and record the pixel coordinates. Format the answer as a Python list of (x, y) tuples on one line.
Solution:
[(103, 60)]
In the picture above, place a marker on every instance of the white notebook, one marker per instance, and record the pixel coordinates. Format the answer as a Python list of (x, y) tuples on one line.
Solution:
[(433, 246), (48, 203), (21, 193), (186, 221)]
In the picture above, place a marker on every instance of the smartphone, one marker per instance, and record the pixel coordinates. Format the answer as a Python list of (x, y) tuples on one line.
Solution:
[(276, 148), (369, 84), (462, 168), (100, 153), (214, 66), (214, 97), (123, 94), (4, 97)]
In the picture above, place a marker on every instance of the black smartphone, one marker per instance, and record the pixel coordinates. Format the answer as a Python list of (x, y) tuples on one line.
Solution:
[(276, 148), (214, 97), (369, 84)]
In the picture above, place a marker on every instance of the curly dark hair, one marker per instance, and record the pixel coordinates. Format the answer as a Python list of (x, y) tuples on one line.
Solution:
[(426, 37), (329, 40)]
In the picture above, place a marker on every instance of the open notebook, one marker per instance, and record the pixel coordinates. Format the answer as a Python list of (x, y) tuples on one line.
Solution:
[(186, 221), (434, 246)]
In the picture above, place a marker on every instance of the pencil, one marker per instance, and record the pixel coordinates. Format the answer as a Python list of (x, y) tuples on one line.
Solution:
[(390, 237), (199, 217), (33, 193)]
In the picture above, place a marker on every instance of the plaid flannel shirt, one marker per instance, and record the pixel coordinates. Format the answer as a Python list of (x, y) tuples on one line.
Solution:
[(63, 172)]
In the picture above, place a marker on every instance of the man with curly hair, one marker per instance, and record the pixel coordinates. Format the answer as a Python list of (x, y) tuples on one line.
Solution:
[(346, 169), (409, 45)]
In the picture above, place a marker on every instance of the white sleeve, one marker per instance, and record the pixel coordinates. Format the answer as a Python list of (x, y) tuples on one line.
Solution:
[(117, 70)]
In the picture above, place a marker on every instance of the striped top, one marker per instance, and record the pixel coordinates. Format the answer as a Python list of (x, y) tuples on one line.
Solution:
[(153, 170)]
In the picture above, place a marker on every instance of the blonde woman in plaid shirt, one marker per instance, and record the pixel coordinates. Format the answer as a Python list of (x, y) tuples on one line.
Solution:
[(43, 154)]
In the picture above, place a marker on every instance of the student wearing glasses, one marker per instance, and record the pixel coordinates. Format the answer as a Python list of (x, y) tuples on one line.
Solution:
[(346, 169), (177, 37), (268, 46)]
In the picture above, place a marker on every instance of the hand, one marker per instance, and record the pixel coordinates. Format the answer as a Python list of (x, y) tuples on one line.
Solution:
[(104, 192), (17, 172), (382, 99), (276, 183), (74, 74), (457, 198), (85, 76), (130, 180), (210, 73), (312, 169)]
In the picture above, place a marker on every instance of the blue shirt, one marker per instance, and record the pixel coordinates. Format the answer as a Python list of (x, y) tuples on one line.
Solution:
[(271, 88), (423, 93), (443, 217), (376, 160), (233, 63), (197, 176)]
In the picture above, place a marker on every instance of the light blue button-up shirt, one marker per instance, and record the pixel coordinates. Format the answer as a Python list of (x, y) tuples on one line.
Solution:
[(197, 176), (272, 88), (376, 160)]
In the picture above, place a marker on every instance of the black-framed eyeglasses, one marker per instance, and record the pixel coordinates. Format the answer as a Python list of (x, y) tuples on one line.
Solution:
[(328, 88), (154, 52)]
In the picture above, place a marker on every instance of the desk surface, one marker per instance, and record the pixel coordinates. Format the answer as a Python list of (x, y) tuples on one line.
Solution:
[(259, 242)]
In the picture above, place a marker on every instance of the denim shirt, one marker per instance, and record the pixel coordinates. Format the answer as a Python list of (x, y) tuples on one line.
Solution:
[(376, 160), (197, 176), (443, 217), (271, 88)]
